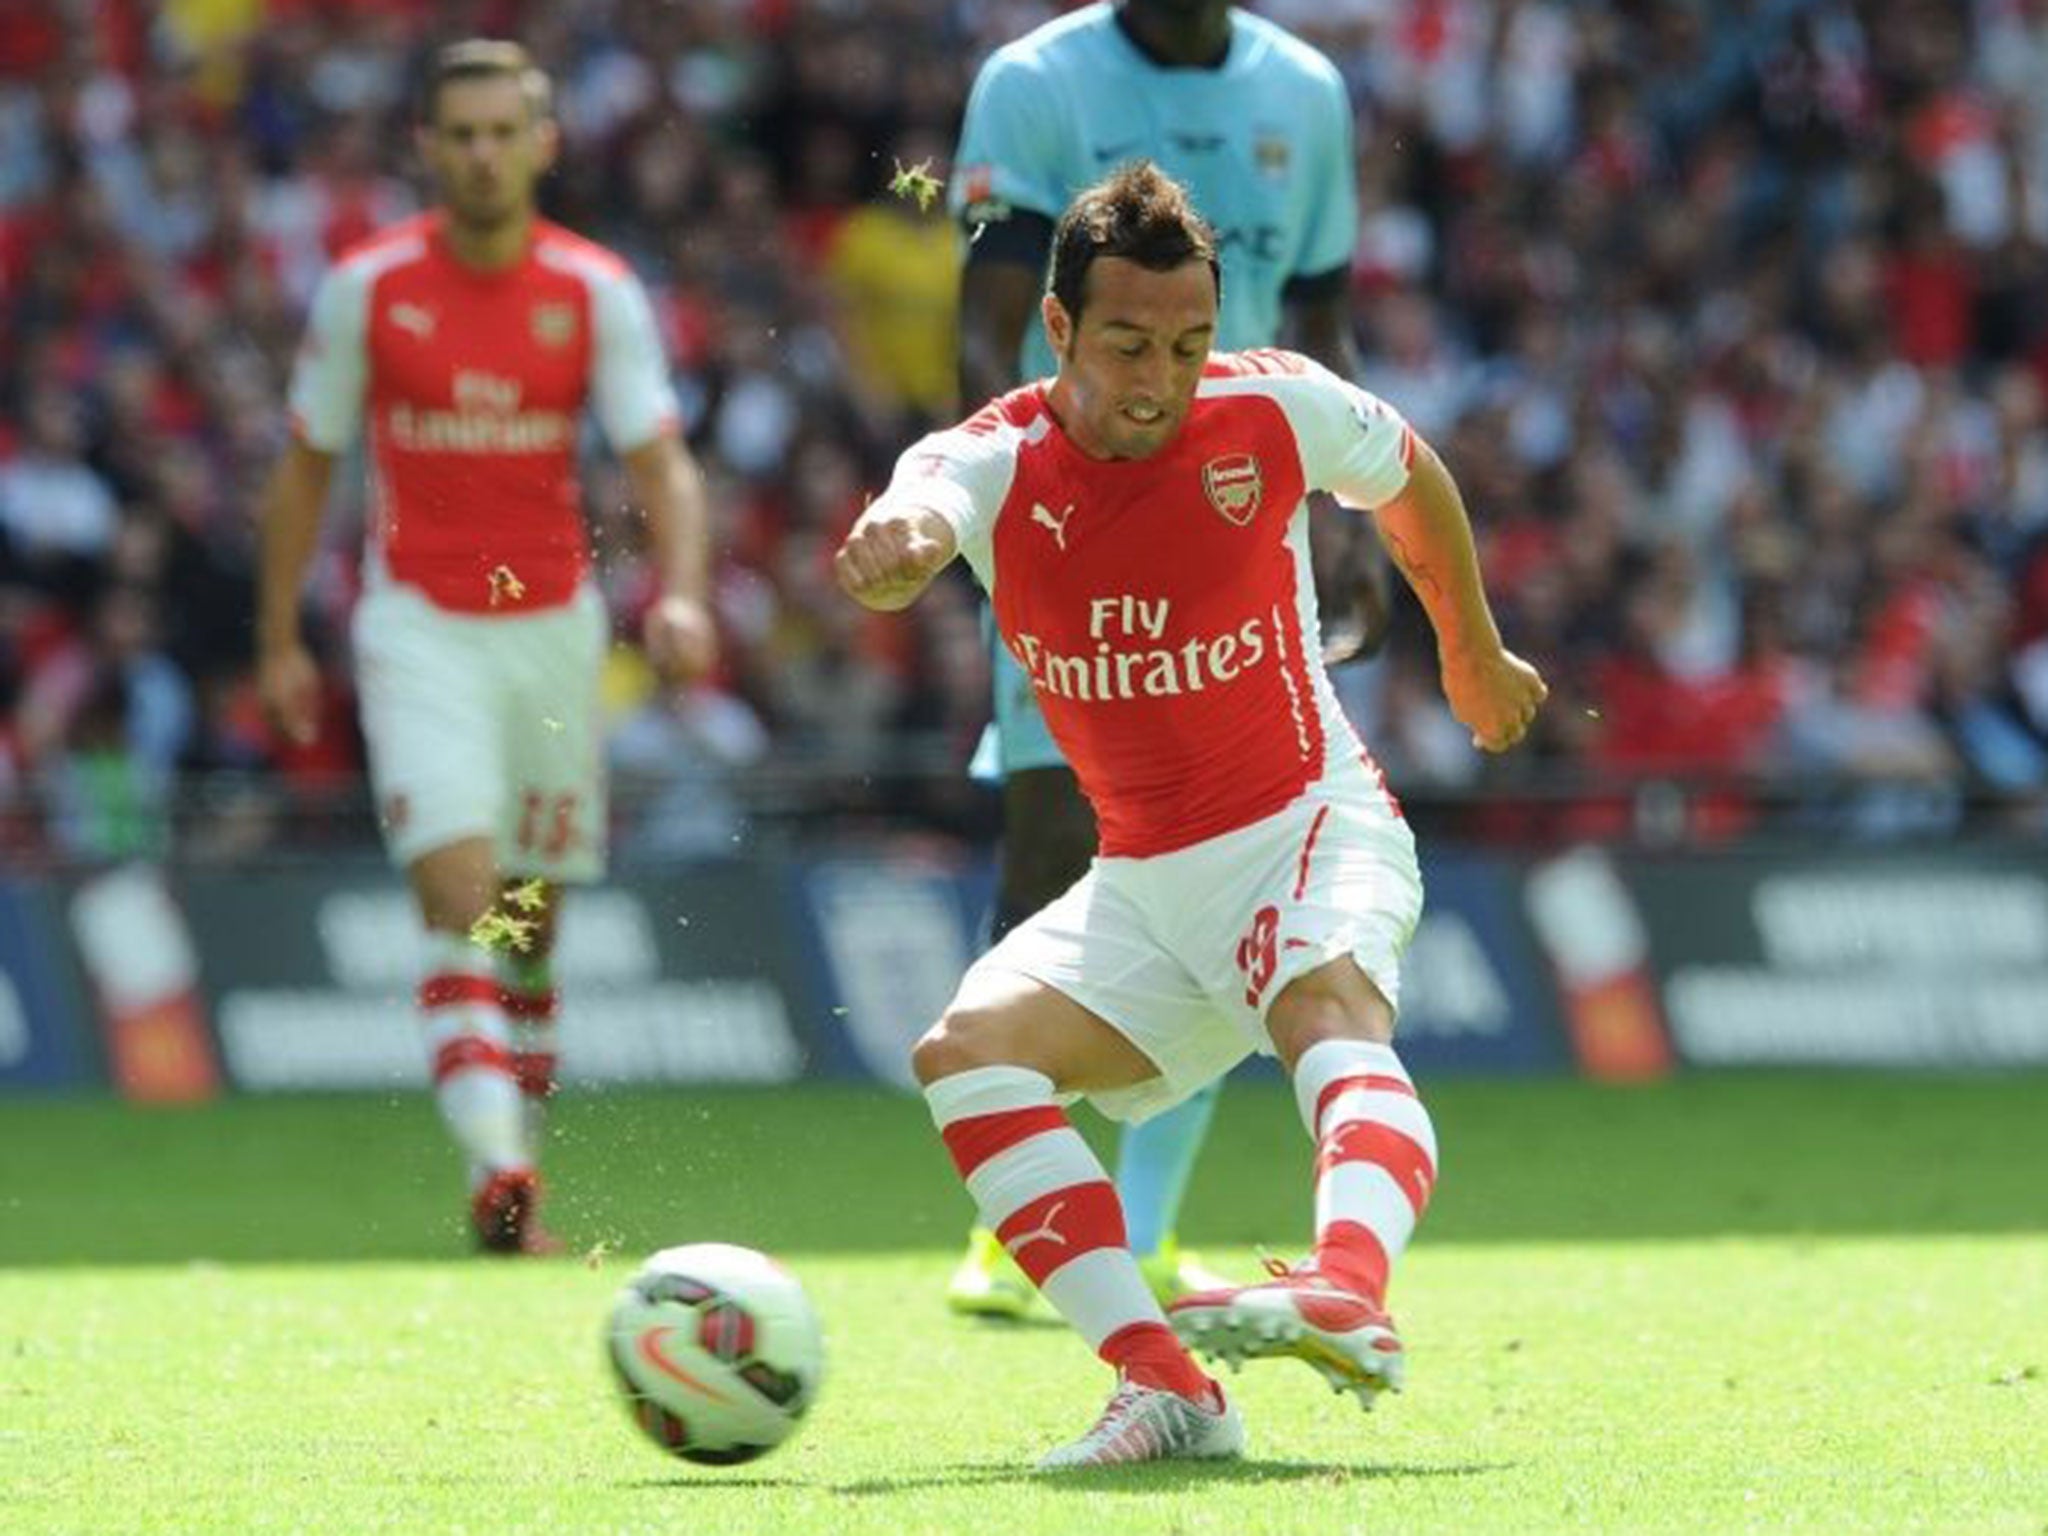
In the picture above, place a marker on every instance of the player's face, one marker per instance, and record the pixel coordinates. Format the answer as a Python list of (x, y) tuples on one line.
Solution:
[(486, 149), (1128, 370)]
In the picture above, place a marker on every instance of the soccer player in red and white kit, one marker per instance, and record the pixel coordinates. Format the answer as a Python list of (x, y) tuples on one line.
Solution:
[(1140, 524), (464, 346)]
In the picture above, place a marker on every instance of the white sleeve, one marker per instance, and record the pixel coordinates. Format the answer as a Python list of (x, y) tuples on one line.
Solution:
[(963, 474), (1353, 444), (332, 366), (629, 385)]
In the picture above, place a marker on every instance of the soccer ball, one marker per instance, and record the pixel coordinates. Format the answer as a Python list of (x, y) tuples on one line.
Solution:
[(717, 1350)]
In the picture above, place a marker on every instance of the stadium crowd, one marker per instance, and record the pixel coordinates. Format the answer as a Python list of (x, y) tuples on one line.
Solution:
[(1731, 316)]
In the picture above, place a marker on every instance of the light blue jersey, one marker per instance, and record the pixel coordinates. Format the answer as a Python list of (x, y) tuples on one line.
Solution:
[(1262, 142)]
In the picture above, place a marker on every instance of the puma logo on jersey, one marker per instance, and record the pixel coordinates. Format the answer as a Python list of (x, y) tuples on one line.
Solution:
[(1043, 1232), (416, 318), (1045, 517)]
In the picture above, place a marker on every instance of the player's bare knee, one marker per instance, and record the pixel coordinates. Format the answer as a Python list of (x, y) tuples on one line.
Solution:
[(452, 900), (453, 909), (1336, 1002), (944, 1053), (932, 1057), (962, 1040), (944, 1050)]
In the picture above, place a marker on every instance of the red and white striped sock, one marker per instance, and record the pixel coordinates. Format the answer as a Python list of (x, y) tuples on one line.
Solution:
[(470, 1050), (1049, 1200), (1375, 1158), (531, 1008)]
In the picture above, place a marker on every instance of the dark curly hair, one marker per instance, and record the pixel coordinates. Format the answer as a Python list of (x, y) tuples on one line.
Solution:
[(1137, 212)]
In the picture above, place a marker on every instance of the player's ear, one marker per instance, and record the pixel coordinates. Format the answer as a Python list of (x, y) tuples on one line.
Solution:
[(1059, 326), (548, 139)]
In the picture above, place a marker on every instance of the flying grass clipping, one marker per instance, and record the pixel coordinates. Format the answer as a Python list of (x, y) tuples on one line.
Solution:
[(916, 184), (506, 587)]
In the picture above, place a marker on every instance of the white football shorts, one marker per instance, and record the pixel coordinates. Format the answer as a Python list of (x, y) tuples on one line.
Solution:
[(482, 725), (1183, 952)]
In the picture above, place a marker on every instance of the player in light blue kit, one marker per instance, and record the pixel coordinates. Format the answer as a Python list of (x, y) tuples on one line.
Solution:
[(1257, 125)]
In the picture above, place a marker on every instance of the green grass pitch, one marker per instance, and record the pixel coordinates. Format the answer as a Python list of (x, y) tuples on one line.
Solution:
[(1781, 1302)]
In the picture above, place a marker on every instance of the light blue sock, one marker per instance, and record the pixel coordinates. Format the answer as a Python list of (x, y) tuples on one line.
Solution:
[(1153, 1163)]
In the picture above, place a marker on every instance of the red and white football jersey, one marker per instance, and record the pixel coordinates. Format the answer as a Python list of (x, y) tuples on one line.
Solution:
[(1163, 607), (474, 385)]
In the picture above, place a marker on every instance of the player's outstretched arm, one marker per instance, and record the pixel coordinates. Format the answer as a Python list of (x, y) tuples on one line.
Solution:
[(1491, 690), (679, 632), (892, 554), (287, 680)]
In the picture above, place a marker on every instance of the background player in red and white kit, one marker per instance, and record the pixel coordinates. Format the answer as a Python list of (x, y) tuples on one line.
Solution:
[(1140, 525), (464, 346)]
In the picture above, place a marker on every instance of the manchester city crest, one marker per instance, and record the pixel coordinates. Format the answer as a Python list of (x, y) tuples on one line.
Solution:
[(1270, 153)]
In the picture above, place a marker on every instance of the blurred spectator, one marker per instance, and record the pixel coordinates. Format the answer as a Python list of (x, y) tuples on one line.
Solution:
[(894, 268), (56, 514), (1732, 318), (105, 720), (673, 759)]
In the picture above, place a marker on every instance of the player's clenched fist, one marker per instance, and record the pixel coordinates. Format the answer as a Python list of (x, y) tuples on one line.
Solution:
[(1494, 693), (288, 683), (892, 555), (680, 638)]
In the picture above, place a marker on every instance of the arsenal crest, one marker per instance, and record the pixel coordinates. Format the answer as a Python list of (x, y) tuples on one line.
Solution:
[(1234, 486), (553, 324)]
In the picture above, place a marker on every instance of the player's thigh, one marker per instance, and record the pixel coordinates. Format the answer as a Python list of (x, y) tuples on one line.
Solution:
[(1335, 1001), (1094, 946), (430, 723), (554, 819), (1000, 1017), (1331, 878)]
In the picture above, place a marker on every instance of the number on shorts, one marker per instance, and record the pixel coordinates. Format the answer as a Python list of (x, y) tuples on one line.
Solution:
[(547, 826), (1258, 953)]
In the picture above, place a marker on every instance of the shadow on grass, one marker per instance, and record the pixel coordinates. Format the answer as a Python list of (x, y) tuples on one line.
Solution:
[(711, 1481), (1144, 1479), (1162, 1477)]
